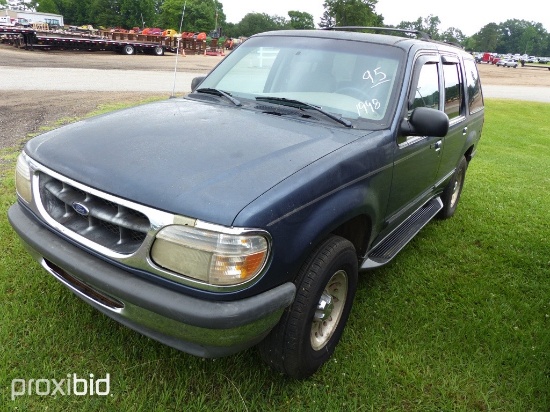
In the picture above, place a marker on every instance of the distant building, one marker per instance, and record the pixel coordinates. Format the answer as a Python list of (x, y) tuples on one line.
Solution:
[(53, 20)]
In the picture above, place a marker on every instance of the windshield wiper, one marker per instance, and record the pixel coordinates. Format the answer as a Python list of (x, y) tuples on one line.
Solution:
[(303, 105), (220, 93)]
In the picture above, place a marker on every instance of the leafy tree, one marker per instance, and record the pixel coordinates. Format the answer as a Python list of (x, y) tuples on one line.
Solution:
[(427, 25), (301, 20), (509, 38), (488, 37), (105, 13), (540, 39), (137, 13), (431, 24), (47, 6), (521, 36), (24, 5), (199, 15), (280, 22), (231, 30), (74, 12), (327, 20), (529, 40), (353, 12), (411, 25), (158, 6), (453, 35), (254, 23), (470, 44), (64, 7), (81, 12), (171, 13)]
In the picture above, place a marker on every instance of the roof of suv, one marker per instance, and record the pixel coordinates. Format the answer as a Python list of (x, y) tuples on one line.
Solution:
[(349, 33)]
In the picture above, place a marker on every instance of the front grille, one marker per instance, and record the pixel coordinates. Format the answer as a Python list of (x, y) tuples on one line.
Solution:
[(101, 221)]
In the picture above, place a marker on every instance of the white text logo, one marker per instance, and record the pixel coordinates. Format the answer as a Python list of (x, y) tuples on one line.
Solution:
[(72, 385)]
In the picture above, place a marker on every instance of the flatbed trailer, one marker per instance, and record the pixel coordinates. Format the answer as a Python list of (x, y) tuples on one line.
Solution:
[(522, 62), (126, 43), (31, 39), (78, 43)]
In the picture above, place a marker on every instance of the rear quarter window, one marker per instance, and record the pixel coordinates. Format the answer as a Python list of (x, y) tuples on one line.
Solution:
[(453, 90), (473, 83)]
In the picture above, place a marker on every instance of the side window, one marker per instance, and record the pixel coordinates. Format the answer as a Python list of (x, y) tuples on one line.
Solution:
[(475, 98), (454, 95), (427, 89)]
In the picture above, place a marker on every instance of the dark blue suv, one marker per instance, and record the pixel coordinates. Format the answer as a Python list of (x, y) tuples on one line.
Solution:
[(242, 213)]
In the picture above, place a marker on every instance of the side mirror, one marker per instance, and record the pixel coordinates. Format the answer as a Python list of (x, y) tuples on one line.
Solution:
[(196, 82), (424, 121)]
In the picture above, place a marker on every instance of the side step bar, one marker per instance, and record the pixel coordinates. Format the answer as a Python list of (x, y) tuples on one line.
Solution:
[(392, 244)]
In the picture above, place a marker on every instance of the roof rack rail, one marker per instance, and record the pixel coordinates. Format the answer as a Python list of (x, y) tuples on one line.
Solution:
[(421, 34)]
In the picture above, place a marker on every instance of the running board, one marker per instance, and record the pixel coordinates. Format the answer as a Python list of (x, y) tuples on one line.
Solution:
[(390, 246)]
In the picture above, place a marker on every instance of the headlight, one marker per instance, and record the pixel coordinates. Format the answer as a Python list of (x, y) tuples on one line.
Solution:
[(23, 178), (214, 257)]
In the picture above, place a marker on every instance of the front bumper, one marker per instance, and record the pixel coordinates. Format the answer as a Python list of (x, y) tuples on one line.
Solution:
[(200, 327)]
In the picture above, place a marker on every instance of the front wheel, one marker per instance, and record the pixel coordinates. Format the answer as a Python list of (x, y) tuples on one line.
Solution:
[(451, 193), (309, 330)]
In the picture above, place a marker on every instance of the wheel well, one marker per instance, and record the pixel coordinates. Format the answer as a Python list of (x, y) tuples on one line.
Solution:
[(468, 154), (357, 231)]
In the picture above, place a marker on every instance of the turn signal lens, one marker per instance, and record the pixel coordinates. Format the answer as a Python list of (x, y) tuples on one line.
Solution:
[(23, 178)]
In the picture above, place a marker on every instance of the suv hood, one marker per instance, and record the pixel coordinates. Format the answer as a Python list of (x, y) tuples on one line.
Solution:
[(199, 160)]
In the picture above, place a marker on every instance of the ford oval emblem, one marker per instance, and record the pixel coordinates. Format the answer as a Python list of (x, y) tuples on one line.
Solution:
[(80, 209)]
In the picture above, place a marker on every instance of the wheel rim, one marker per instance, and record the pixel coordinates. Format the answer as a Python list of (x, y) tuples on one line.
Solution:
[(329, 310), (456, 188)]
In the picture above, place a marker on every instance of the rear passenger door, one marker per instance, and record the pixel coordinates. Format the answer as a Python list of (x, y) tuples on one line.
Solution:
[(454, 105)]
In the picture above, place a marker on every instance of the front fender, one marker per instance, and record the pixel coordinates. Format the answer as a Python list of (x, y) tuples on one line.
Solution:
[(308, 206)]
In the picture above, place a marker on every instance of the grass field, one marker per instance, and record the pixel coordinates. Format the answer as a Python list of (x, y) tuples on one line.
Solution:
[(460, 321)]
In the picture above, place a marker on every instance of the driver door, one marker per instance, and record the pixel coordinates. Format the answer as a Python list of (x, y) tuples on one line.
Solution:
[(417, 158)]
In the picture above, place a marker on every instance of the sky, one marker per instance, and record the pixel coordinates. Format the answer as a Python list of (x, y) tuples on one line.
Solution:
[(467, 15)]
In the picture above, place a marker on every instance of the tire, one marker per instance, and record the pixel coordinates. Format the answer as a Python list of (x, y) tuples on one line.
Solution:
[(309, 330), (128, 49), (158, 51), (451, 193)]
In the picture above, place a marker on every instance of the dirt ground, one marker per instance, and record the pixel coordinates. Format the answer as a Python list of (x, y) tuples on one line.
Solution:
[(521, 76), (24, 112), (13, 57)]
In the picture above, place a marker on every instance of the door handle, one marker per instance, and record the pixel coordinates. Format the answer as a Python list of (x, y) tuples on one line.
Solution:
[(464, 131), (437, 145)]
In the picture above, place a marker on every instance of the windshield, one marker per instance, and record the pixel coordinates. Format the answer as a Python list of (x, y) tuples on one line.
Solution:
[(351, 79)]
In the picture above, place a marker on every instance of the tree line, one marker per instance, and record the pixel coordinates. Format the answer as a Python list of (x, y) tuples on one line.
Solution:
[(511, 36)]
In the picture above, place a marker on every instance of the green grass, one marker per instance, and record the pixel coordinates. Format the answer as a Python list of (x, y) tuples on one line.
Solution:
[(460, 321)]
